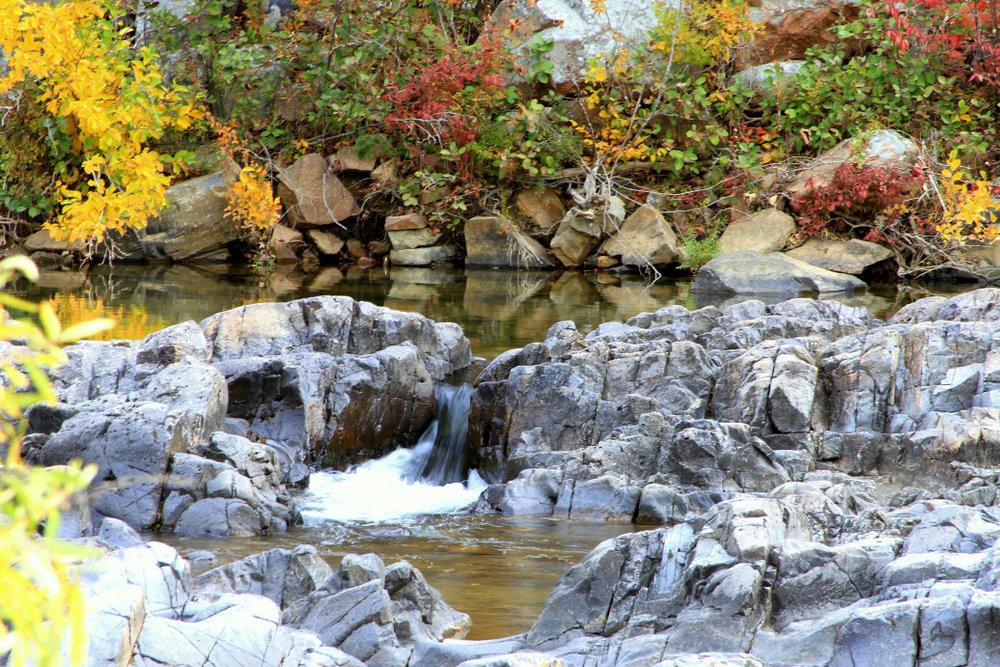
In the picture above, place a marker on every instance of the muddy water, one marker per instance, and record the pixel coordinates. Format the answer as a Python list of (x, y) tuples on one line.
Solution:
[(497, 570)]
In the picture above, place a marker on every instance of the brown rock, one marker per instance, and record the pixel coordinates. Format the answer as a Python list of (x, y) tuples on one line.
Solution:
[(380, 247), (398, 223), (356, 248), (42, 241), (575, 239), (607, 262), (283, 243), (327, 243), (386, 173), (347, 159), (851, 257), (493, 241), (542, 205), (644, 238), (765, 231), (792, 27), (313, 196), (414, 238)]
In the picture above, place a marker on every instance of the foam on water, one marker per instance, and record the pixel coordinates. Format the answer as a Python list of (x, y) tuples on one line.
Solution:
[(379, 491), (407, 482)]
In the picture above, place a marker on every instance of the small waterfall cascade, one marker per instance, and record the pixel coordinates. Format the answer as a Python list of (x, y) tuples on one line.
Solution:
[(433, 477), (447, 459)]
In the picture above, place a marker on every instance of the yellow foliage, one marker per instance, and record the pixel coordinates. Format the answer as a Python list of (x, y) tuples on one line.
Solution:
[(969, 210), (706, 32), (132, 322), (251, 202), (41, 605), (110, 103)]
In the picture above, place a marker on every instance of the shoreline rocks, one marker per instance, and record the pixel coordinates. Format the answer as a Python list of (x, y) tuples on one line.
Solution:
[(198, 428)]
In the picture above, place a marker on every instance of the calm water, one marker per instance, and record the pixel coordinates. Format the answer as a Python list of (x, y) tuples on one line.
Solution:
[(499, 571), (497, 309)]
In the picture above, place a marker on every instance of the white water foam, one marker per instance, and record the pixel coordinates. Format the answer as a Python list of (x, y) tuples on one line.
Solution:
[(380, 491)]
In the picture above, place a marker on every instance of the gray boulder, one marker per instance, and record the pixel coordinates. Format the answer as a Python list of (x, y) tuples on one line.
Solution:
[(749, 272)]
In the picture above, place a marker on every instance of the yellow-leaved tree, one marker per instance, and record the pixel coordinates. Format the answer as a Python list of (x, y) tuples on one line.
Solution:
[(41, 604), (107, 99)]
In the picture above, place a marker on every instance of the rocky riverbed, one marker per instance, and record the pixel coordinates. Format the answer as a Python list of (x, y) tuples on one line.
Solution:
[(824, 484)]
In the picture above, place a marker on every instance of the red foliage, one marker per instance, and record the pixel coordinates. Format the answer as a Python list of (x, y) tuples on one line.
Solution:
[(430, 104), (960, 30), (859, 191)]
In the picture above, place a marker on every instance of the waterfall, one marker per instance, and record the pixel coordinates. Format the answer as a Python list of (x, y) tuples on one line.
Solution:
[(433, 477), (448, 458)]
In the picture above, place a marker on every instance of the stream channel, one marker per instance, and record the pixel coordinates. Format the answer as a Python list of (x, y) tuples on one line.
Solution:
[(497, 570)]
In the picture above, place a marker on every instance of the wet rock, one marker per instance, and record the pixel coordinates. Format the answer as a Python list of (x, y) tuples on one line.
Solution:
[(765, 232), (283, 576), (493, 241), (851, 257), (313, 196), (749, 272)]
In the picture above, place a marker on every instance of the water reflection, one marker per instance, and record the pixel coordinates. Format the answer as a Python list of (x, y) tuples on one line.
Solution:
[(497, 309)]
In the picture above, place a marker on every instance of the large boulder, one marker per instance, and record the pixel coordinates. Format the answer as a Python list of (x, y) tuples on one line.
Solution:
[(789, 28), (494, 241), (750, 272), (313, 196), (886, 149), (644, 239), (193, 227), (853, 257), (765, 232), (578, 31)]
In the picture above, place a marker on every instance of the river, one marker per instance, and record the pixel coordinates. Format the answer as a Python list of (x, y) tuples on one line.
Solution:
[(497, 570)]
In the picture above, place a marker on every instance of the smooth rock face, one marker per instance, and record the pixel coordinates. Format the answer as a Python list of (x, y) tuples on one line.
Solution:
[(578, 32), (851, 257), (492, 241), (749, 272), (645, 238), (765, 232), (313, 196), (885, 148)]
